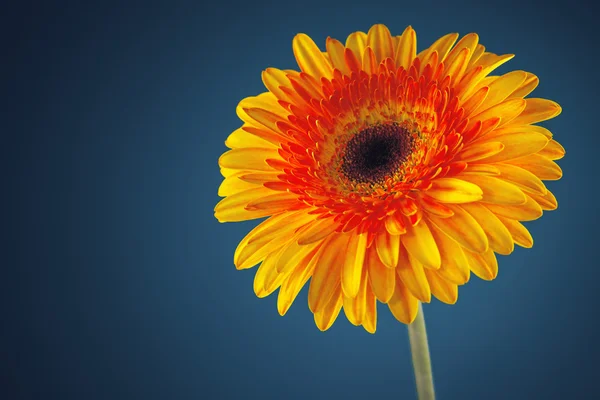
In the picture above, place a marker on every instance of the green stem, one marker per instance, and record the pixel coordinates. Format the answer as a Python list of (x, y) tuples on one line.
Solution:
[(419, 348)]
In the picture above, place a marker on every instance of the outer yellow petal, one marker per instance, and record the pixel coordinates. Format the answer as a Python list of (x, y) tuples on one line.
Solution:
[(497, 191), (318, 231), (419, 242), (507, 111), (309, 58), (388, 248), (526, 87), (403, 305), (485, 265), (540, 166), (233, 184), (529, 211), (442, 46), (241, 138), (407, 48), (353, 264), (455, 267), (380, 40), (355, 307), (516, 145), (464, 229), (480, 150), (452, 190), (502, 87), (357, 42), (335, 49), (546, 202), (411, 272), (443, 290), (292, 285), (327, 275), (233, 208), (327, 316), (553, 151), (537, 110), (382, 279), (521, 178), (498, 236), (520, 234), (248, 159), (370, 318)]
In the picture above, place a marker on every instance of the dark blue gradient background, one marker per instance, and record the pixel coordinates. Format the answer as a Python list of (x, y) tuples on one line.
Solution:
[(118, 282)]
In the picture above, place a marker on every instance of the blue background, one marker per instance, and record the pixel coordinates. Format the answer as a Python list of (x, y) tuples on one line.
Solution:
[(118, 282)]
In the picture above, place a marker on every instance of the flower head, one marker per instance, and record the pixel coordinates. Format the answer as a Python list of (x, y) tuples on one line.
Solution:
[(387, 175)]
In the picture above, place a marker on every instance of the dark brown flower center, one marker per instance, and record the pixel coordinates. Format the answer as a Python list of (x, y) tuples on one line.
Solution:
[(376, 153)]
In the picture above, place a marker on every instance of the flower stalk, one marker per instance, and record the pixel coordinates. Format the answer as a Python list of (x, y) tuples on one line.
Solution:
[(419, 348)]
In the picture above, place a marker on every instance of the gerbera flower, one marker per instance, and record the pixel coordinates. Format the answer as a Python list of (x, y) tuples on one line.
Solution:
[(387, 175)]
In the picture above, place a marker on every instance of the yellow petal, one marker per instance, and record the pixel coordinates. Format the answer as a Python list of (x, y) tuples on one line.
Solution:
[(442, 46), (353, 265), (241, 138), (540, 166), (388, 247), (488, 62), (370, 318), (537, 110), (369, 62), (412, 274), (553, 150), (357, 42), (520, 234), (335, 49), (407, 48), (403, 305), (292, 254), (233, 184), (380, 40), (480, 150), (264, 101), (327, 316), (529, 211), (468, 42), (527, 86), (327, 273), (233, 208), (502, 87), (507, 111), (419, 242), (517, 145), (317, 231), (266, 268), (295, 281), (521, 178), (355, 307), (274, 79), (498, 236), (248, 159), (546, 202), (381, 278), (497, 191), (281, 201), (452, 190), (443, 290), (455, 267), (484, 266), (456, 69), (309, 57), (394, 226), (269, 236), (464, 229)]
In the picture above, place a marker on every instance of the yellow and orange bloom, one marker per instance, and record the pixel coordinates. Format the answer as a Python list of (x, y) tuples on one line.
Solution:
[(387, 175)]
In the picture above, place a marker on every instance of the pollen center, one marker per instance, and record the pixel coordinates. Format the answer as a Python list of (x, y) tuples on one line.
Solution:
[(376, 153)]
